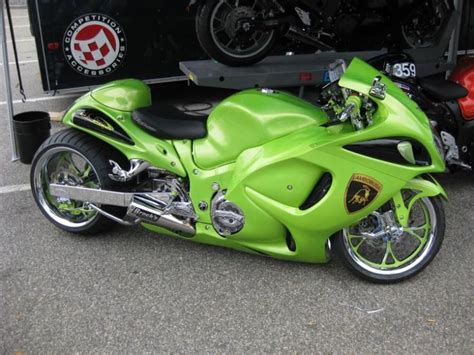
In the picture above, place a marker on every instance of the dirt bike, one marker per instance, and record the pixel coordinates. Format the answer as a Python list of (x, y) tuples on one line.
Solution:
[(239, 33), (266, 173), (449, 104)]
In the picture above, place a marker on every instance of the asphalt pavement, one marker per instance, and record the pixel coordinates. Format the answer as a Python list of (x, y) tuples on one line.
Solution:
[(131, 291)]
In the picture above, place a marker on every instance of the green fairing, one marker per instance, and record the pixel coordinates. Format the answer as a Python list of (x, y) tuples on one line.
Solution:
[(268, 150)]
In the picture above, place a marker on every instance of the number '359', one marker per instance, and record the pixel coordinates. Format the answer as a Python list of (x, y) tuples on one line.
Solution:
[(404, 70)]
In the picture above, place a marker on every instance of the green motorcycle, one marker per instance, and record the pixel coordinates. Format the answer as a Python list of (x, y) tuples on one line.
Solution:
[(265, 173)]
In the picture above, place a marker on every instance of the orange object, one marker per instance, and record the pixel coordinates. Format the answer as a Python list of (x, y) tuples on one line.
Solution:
[(464, 75)]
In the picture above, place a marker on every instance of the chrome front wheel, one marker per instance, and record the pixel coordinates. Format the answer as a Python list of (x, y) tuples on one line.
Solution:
[(384, 248)]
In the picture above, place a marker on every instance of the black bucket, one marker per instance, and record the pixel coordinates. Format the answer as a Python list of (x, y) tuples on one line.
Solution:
[(31, 129)]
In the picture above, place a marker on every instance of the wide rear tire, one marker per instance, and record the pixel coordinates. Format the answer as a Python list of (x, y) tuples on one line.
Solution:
[(71, 157)]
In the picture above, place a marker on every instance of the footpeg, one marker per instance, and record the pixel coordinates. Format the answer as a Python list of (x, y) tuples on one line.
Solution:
[(459, 163)]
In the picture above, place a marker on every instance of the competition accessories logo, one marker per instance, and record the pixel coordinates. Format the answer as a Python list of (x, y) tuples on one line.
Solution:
[(95, 45)]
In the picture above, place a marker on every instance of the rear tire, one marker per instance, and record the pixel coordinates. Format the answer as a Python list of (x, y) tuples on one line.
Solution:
[(422, 27), (56, 161), (209, 42)]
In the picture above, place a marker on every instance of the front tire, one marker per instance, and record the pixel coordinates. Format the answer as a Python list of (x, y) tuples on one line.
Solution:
[(387, 259), (73, 158), (217, 24)]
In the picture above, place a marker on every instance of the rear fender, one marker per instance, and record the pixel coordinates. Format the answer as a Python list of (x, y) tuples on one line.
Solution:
[(117, 129)]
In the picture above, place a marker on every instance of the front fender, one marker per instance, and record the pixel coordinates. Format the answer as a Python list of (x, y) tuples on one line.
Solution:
[(425, 188), (430, 188)]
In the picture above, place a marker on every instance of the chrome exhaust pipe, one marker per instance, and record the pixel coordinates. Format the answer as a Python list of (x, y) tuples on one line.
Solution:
[(140, 207), (139, 210)]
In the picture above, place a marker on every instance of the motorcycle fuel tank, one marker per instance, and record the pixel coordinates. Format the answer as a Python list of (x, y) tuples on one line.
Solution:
[(464, 75), (249, 119)]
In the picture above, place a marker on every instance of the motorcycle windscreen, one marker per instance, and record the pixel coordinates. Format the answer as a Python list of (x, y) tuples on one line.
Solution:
[(360, 76)]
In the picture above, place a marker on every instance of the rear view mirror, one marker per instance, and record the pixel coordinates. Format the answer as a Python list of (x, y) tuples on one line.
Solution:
[(378, 88)]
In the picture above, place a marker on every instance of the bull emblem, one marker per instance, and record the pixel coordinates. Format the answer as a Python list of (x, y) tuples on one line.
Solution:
[(360, 193), (361, 197)]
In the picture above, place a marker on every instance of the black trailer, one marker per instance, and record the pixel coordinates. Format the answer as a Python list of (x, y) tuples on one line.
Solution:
[(84, 43)]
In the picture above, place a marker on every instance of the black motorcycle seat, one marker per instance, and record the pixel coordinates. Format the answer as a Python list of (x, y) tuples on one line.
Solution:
[(441, 90), (165, 121)]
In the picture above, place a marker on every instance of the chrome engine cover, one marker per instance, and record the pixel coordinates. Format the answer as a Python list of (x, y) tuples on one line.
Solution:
[(227, 217)]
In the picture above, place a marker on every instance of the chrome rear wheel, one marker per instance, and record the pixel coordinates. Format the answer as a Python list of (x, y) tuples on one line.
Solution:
[(65, 166), (73, 158)]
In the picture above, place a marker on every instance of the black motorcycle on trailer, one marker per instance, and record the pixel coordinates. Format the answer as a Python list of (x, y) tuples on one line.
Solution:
[(243, 32)]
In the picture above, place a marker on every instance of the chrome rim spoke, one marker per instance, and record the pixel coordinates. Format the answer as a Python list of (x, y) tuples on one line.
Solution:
[(359, 244), (389, 252), (411, 231)]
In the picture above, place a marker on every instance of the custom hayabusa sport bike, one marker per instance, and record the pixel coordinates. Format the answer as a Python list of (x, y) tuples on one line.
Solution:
[(243, 32), (449, 104), (266, 173)]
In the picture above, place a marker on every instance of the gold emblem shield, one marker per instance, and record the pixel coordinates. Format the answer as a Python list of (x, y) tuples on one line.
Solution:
[(360, 192)]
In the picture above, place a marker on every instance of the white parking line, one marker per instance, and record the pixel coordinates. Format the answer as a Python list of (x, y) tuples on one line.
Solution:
[(14, 188), (23, 62), (22, 40), (18, 26), (45, 98)]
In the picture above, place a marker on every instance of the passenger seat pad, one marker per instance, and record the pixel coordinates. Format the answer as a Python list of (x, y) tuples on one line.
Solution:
[(165, 121), (442, 90)]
